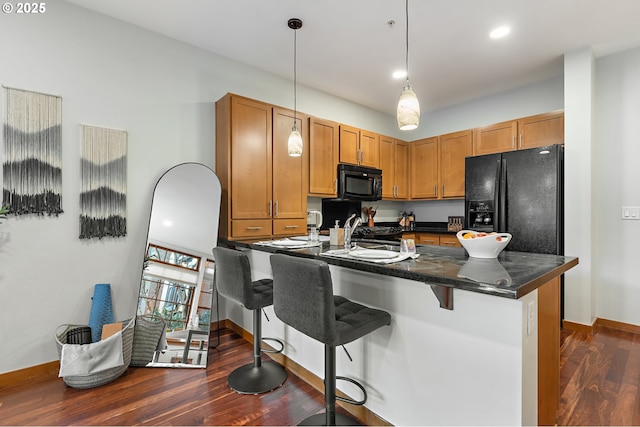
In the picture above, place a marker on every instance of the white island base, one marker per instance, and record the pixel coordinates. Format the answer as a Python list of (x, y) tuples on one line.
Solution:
[(474, 365)]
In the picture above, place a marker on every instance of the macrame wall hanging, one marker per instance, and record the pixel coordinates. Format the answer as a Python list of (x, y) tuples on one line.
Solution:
[(32, 169), (103, 196)]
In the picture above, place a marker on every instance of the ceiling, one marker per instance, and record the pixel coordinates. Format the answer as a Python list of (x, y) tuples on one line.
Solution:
[(347, 48)]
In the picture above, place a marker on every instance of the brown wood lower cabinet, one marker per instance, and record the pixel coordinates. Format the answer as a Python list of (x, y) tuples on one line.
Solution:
[(449, 240), (428, 239), (437, 239)]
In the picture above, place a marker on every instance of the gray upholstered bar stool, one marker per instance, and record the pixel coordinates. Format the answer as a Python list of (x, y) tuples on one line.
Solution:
[(303, 299), (233, 281)]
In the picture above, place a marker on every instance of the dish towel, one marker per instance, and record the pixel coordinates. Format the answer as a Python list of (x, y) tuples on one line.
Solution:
[(91, 358), (341, 253)]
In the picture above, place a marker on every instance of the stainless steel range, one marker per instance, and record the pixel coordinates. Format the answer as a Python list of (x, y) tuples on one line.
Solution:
[(378, 232)]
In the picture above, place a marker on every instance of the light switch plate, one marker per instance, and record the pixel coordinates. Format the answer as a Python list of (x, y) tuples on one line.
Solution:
[(631, 212)]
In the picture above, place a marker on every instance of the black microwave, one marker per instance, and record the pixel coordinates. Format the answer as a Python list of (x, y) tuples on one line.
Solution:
[(359, 183)]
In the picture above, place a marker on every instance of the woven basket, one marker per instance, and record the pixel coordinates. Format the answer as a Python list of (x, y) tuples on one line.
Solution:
[(103, 377)]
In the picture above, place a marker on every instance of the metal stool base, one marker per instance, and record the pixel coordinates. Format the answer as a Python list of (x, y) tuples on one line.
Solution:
[(321, 419), (249, 379)]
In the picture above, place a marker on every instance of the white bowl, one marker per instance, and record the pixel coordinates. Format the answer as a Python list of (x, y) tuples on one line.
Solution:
[(485, 245)]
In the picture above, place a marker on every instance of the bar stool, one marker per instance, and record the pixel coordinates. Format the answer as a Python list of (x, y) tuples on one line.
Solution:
[(303, 299), (233, 281)]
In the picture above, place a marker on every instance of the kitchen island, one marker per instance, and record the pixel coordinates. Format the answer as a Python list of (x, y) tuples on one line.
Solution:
[(463, 346)]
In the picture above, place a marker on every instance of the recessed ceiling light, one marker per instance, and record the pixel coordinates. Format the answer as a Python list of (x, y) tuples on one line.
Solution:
[(167, 223), (499, 32), (399, 74)]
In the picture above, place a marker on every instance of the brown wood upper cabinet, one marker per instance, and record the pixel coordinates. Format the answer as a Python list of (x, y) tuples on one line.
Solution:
[(424, 168), (324, 147), (527, 132), (359, 147), (454, 147), (437, 165), (263, 188), (394, 162)]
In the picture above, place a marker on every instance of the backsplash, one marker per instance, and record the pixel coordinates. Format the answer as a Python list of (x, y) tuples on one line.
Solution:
[(424, 210)]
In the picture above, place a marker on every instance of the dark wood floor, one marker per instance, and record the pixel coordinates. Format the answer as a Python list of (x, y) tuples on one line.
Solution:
[(600, 378), (158, 396)]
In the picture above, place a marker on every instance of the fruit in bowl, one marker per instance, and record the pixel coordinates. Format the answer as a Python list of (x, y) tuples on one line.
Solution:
[(483, 245)]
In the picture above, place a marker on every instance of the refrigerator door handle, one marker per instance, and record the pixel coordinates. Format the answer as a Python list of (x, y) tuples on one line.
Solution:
[(496, 198), (502, 198)]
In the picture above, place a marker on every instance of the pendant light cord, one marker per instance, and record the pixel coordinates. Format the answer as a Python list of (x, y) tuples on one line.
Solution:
[(295, 75), (407, 39)]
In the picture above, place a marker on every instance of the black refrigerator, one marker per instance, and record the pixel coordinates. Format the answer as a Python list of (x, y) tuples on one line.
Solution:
[(518, 192)]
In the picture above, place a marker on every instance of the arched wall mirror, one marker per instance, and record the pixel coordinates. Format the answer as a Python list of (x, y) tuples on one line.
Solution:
[(176, 288)]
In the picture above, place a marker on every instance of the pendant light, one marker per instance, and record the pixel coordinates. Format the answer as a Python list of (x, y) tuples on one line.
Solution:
[(295, 139), (408, 112)]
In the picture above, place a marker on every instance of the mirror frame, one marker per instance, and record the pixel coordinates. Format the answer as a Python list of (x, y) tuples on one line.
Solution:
[(190, 202)]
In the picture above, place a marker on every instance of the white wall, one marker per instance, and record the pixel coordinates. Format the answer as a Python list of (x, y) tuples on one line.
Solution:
[(526, 101), (162, 92), (579, 75), (616, 183)]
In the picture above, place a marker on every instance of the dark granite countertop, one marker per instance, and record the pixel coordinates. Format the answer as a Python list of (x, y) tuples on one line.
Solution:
[(511, 275)]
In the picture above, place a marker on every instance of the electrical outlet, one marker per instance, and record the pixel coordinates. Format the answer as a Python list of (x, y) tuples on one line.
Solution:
[(531, 317), (631, 212)]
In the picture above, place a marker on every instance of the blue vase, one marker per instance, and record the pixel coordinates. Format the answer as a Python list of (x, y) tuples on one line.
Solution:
[(101, 310)]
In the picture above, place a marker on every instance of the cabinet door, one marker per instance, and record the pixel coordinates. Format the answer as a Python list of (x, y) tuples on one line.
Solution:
[(289, 185), (449, 240), (290, 227), (496, 138), (323, 157), (401, 159), (369, 149), (454, 147), (424, 168), (541, 130), (387, 165), (250, 159), (349, 144), (428, 239)]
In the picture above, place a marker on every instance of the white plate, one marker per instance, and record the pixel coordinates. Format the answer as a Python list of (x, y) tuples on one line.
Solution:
[(306, 238), (374, 254), (290, 243)]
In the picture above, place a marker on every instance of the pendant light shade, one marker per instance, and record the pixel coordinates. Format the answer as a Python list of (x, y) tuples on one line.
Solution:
[(294, 144), (408, 111)]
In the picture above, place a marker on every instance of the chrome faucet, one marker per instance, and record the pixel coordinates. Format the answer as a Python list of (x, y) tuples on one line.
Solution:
[(348, 230), (356, 223), (353, 226)]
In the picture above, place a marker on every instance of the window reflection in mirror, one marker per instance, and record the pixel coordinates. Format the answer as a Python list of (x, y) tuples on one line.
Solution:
[(177, 277)]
